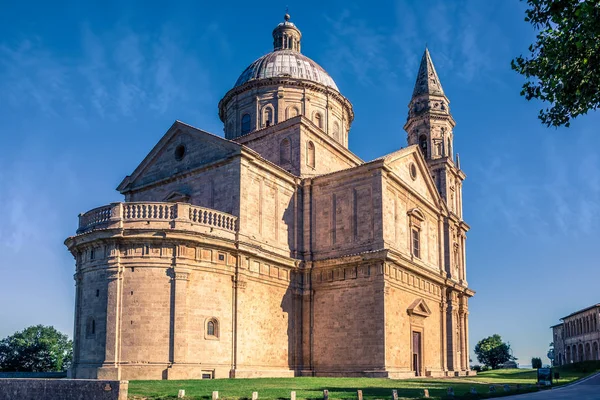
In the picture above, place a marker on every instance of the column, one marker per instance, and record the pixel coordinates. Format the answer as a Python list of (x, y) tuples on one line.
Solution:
[(77, 325), (180, 316), (444, 339), (466, 316), (451, 345), (464, 257), (110, 368), (307, 215), (463, 344)]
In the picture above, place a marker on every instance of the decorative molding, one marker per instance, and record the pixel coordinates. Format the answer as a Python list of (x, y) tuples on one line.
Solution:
[(420, 308), (181, 276)]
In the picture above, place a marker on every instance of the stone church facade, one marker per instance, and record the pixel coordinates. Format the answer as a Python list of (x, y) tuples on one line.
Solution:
[(276, 251)]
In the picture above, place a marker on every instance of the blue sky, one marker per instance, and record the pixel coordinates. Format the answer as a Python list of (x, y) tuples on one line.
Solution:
[(87, 90)]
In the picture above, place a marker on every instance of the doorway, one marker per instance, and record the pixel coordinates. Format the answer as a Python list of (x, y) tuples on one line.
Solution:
[(416, 353)]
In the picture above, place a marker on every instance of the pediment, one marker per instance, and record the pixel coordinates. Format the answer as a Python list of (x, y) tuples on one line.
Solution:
[(177, 197), (410, 167), (183, 148), (420, 308)]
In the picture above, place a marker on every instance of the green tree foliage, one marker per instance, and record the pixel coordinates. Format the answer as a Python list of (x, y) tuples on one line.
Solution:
[(492, 351), (536, 362), (562, 67), (36, 349)]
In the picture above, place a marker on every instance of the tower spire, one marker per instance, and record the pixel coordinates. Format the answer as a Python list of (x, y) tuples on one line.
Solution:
[(427, 78)]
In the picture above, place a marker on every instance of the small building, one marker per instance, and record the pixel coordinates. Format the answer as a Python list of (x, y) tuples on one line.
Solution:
[(577, 338), (509, 365)]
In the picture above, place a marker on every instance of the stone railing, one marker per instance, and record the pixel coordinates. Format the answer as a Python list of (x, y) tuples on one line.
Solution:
[(149, 215)]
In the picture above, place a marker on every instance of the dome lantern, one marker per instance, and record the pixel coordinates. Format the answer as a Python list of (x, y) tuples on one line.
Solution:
[(286, 36)]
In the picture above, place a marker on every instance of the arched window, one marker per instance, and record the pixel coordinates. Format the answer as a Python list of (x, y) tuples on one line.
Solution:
[(423, 145), (246, 123), (310, 154), (319, 120), (336, 131), (292, 112), (285, 151), (450, 148), (212, 328), (267, 116)]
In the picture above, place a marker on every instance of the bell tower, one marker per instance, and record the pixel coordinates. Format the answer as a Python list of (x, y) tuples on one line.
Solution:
[(430, 126)]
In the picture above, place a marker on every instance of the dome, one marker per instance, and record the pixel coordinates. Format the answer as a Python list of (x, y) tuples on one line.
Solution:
[(286, 63)]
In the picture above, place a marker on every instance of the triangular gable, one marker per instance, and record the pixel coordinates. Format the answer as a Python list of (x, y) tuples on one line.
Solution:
[(420, 308), (177, 197), (167, 158), (400, 163)]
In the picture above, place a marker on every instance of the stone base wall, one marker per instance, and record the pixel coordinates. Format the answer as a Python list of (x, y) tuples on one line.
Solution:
[(264, 373), (64, 389)]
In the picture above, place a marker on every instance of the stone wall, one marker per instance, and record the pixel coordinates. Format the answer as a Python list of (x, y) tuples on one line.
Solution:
[(401, 196), (210, 187), (265, 324), (329, 155), (63, 389), (403, 290), (347, 213), (268, 208), (348, 318), (283, 101)]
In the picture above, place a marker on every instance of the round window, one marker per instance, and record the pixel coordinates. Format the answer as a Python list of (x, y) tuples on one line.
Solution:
[(179, 152), (413, 171)]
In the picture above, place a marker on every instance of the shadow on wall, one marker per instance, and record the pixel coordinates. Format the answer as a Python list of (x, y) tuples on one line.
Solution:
[(292, 303)]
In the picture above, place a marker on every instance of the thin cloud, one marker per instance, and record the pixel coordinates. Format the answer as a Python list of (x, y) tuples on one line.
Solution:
[(552, 199), (117, 73), (358, 50)]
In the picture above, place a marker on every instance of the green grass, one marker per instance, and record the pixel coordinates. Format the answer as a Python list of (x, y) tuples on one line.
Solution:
[(345, 388)]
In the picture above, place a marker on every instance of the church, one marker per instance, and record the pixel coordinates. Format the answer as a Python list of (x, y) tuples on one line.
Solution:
[(275, 251)]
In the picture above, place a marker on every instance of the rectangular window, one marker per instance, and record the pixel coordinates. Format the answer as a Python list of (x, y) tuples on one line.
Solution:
[(416, 243)]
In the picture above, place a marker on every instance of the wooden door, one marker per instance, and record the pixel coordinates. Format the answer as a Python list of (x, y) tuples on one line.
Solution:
[(416, 353)]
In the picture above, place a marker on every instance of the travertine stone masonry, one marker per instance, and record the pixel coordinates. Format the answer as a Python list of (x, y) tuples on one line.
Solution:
[(277, 251)]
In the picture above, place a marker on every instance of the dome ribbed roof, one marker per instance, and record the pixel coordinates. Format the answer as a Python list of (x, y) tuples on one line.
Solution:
[(286, 63)]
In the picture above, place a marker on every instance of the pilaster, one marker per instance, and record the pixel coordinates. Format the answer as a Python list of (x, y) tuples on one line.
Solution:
[(443, 332), (110, 368), (179, 324)]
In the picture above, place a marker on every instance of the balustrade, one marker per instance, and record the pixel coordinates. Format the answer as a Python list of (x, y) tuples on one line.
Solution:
[(121, 213)]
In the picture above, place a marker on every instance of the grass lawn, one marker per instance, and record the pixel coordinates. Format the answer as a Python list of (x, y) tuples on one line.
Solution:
[(344, 388)]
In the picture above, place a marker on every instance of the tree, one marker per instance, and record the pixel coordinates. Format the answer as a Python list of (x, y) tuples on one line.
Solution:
[(536, 362), (36, 349), (492, 351), (562, 67)]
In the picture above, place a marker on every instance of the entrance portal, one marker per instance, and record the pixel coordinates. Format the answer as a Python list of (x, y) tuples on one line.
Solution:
[(416, 353)]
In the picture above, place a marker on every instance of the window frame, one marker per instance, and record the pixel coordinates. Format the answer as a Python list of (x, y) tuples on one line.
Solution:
[(415, 238), (311, 156), (216, 327)]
